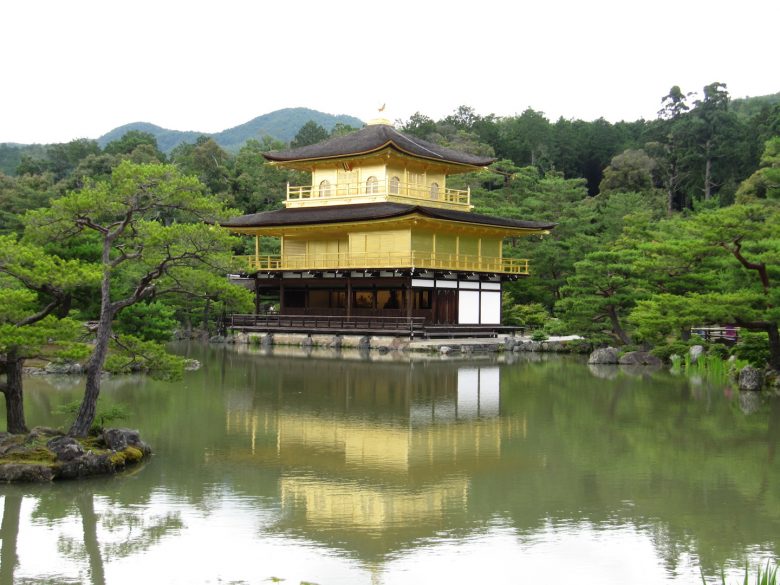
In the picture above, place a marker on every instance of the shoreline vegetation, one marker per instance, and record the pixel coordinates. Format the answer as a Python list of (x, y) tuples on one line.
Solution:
[(696, 357), (766, 574)]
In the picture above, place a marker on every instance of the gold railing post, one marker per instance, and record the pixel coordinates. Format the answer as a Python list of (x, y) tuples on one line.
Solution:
[(257, 251)]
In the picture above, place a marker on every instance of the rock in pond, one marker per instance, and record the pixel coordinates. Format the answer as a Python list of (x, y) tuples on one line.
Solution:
[(120, 439), (604, 355), (751, 379), (64, 368), (695, 353), (65, 448)]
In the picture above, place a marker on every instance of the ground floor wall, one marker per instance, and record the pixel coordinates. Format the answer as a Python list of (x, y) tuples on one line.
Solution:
[(440, 299)]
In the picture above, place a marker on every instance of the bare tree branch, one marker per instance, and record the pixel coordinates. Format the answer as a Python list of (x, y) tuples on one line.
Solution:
[(759, 267)]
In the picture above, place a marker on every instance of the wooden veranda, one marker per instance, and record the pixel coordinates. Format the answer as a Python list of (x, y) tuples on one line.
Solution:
[(411, 327)]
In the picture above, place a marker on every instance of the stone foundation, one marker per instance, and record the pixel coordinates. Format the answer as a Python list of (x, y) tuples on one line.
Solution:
[(572, 344)]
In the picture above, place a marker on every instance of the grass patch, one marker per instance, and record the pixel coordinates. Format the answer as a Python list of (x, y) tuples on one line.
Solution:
[(34, 456), (764, 576)]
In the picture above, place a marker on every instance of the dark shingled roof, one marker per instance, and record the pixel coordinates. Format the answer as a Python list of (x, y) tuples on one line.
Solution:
[(371, 139), (372, 211)]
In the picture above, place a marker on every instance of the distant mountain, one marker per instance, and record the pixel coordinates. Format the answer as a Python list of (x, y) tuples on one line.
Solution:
[(281, 124), (167, 140)]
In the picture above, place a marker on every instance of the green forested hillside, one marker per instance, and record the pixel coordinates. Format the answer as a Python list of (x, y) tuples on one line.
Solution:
[(280, 125), (166, 139)]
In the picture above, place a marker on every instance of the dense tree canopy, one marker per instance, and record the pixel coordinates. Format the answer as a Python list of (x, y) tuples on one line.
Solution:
[(35, 289), (154, 228)]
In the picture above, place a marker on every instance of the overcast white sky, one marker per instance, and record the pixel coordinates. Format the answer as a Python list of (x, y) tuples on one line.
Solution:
[(79, 68)]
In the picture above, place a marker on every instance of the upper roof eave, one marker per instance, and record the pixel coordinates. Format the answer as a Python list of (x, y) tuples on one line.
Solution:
[(375, 138), (390, 145)]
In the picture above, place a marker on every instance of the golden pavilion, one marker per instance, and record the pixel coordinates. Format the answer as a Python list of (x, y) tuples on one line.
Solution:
[(379, 233)]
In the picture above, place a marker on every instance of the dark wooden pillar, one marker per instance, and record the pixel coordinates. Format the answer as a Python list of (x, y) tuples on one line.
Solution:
[(435, 305), (349, 296), (281, 297), (409, 294), (257, 295)]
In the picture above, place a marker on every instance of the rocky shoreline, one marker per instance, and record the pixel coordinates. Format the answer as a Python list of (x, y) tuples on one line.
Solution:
[(569, 344), (45, 454), (748, 378)]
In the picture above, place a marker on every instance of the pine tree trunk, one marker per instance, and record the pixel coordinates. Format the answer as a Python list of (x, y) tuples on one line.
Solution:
[(671, 187), (708, 175), (88, 408), (617, 329), (14, 395)]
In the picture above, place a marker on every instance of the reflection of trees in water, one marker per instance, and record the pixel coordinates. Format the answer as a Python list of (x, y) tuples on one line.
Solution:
[(86, 506), (9, 531), (112, 534), (692, 465), (124, 534), (674, 460)]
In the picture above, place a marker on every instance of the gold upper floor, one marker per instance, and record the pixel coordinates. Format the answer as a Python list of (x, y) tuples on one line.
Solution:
[(411, 242), (374, 190), (378, 177)]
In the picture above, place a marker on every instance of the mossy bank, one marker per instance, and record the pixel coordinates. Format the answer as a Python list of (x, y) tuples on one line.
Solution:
[(45, 454)]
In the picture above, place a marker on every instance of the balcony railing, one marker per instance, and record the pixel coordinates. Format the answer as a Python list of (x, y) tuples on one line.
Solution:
[(352, 261), (374, 191)]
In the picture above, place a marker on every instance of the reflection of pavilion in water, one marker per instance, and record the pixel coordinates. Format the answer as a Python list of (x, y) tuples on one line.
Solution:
[(386, 452)]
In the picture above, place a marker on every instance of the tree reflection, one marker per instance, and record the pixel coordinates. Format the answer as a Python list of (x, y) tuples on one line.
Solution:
[(9, 531), (372, 458), (113, 533)]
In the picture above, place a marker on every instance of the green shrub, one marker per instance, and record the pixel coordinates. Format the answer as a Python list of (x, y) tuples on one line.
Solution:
[(555, 326), (579, 346), (719, 350), (667, 350), (147, 321), (532, 316), (627, 348), (104, 415), (753, 346)]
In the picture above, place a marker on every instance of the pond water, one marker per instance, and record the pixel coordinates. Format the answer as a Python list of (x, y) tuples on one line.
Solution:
[(381, 469)]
